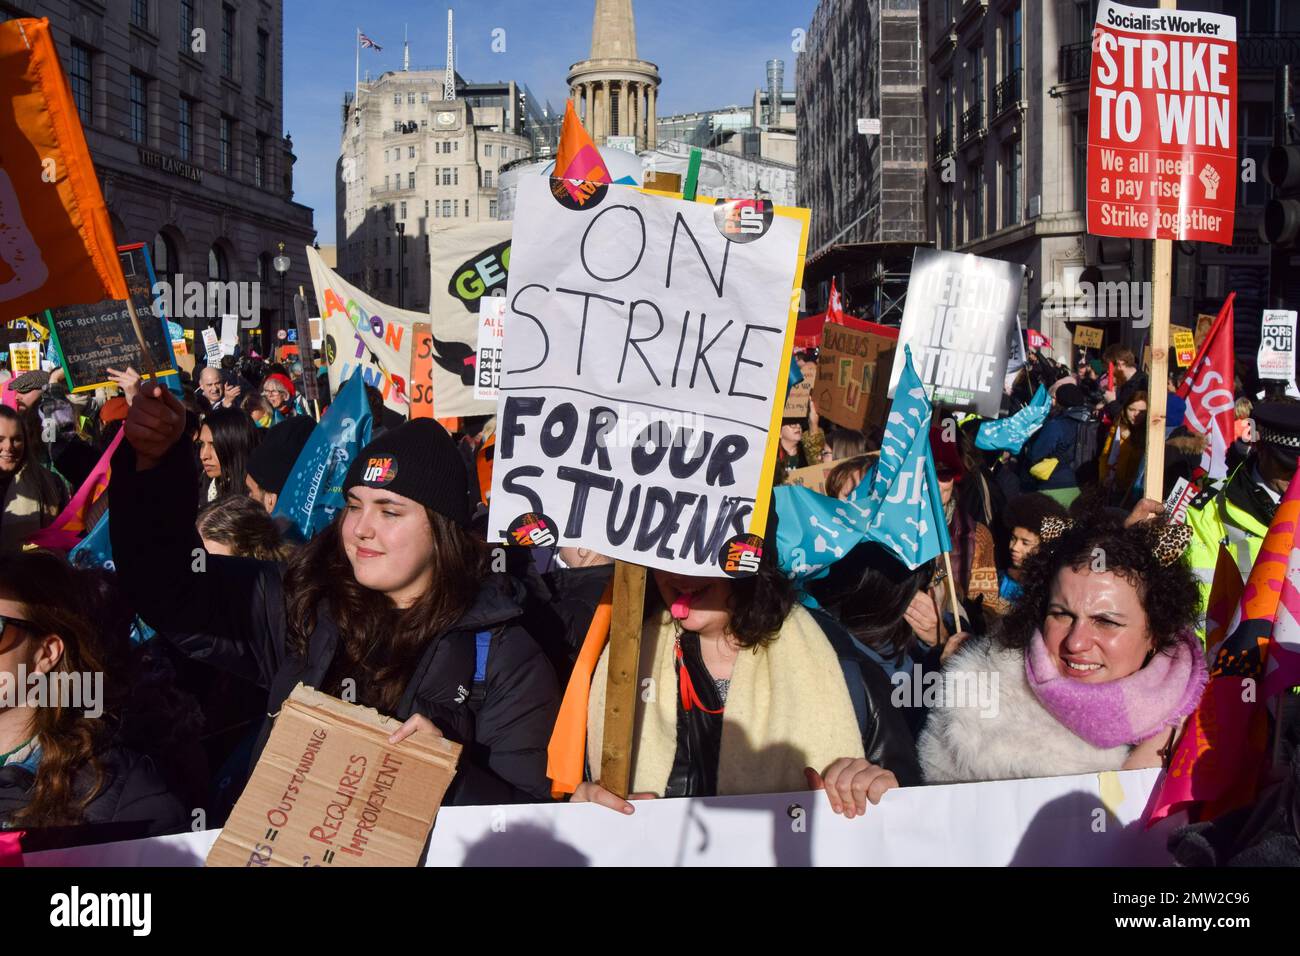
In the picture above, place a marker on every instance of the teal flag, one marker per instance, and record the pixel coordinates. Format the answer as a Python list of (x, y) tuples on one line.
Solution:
[(313, 494), (1011, 433)]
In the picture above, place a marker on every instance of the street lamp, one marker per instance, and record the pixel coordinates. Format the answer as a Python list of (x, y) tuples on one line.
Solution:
[(401, 251), (281, 264)]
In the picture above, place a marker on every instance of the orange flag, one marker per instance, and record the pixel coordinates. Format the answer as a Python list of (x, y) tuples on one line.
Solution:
[(569, 738), (56, 242), (577, 159)]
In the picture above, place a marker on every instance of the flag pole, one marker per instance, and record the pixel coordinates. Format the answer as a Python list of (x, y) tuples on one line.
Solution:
[(356, 86), (952, 593)]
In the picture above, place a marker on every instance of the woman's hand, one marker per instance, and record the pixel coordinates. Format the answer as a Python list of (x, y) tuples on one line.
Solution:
[(589, 792), (951, 645), (128, 382), (923, 617), (1144, 510), (155, 422), (850, 782), (230, 394), (416, 722)]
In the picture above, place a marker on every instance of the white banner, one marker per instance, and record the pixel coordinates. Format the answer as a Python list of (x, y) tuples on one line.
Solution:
[(1085, 820), (362, 331), (642, 367)]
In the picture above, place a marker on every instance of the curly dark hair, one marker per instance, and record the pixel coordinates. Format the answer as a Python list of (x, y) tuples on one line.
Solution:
[(1028, 511), (869, 590), (759, 604), (1168, 593)]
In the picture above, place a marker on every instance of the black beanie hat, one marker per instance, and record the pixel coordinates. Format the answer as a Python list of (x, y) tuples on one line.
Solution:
[(420, 461), (270, 463), (1070, 395)]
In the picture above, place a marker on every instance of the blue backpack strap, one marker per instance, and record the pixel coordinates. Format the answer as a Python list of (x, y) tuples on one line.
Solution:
[(482, 644)]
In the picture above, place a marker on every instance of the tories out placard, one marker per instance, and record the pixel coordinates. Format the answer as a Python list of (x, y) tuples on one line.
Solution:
[(1162, 125), (644, 370), (960, 320)]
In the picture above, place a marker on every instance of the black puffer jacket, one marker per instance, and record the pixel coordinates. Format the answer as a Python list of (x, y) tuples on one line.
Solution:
[(133, 793), (232, 615)]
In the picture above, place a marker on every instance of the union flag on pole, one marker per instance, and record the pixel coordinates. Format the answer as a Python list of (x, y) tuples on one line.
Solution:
[(1207, 389), (56, 242), (835, 306)]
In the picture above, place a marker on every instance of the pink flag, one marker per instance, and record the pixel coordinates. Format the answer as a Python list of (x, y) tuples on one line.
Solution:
[(11, 848), (70, 526)]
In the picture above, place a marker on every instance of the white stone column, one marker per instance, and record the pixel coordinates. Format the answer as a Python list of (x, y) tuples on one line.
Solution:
[(650, 117)]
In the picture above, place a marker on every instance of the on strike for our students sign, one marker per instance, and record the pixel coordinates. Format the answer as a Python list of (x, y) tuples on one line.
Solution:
[(1162, 125), (646, 354)]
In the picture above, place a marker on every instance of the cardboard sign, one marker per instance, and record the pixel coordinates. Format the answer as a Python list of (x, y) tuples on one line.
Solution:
[(421, 372), (1277, 345), (95, 337), (330, 790), (1184, 346), (1087, 336), (853, 371), (798, 399), (491, 333), (25, 357), (958, 319), (1162, 125), (212, 347), (812, 477), (646, 355), (1204, 323)]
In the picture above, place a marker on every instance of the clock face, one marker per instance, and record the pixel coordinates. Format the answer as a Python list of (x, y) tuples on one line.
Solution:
[(446, 119)]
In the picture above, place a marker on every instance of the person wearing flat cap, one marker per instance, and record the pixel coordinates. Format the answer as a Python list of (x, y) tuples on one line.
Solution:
[(393, 605), (1237, 511)]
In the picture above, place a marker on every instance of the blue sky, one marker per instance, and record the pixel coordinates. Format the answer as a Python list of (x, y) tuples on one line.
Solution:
[(709, 54)]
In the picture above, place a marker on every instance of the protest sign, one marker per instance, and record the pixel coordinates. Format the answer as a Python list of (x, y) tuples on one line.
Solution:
[(330, 790), (212, 347), (853, 371), (362, 332), (957, 318), (1277, 345), (1087, 336), (1180, 498), (95, 337), (491, 333), (229, 338), (1204, 323), (25, 357), (812, 477), (1162, 124), (421, 372), (645, 361), (1184, 343)]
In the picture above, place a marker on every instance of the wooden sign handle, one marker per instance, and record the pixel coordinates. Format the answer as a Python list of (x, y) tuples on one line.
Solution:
[(621, 682), (1158, 377)]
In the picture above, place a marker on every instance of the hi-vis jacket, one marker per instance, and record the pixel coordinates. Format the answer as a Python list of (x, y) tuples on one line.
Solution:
[(1232, 514)]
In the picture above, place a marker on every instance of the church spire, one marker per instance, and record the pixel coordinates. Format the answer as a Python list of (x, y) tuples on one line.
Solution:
[(613, 31)]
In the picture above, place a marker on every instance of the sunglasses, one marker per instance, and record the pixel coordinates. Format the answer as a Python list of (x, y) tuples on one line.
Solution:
[(18, 624)]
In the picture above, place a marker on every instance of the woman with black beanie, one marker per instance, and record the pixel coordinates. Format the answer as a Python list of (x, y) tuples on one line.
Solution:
[(392, 604)]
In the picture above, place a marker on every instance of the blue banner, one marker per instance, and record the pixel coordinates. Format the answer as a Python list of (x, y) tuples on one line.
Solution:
[(1011, 433), (313, 493)]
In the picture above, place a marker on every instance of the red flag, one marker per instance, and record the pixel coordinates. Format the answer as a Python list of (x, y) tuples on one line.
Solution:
[(1037, 340), (834, 306), (1222, 755), (1208, 391), (56, 243)]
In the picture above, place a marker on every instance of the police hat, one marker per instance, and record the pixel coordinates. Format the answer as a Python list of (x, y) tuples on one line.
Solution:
[(1278, 424)]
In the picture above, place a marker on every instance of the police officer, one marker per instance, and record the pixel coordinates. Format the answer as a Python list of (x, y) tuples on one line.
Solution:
[(1238, 511)]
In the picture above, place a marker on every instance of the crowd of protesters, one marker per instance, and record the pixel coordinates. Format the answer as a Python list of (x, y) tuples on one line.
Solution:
[(778, 687)]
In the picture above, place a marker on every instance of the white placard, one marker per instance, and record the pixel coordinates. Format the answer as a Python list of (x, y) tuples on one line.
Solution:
[(212, 346), (1277, 345), (869, 126), (641, 366), (491, 333)]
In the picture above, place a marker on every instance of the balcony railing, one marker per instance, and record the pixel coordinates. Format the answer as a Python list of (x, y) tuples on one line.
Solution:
[(943, 142), (1006, 95), (972, 122), (1074, 62)]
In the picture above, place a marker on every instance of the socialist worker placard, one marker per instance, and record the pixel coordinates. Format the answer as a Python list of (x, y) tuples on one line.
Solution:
[(1162, 125)]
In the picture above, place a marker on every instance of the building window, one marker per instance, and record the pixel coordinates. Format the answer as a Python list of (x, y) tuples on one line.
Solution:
[(388, 278), (487, 179), (945, 217), (82, 83), (140, 13), (424, 124), (975, 176), (228, 41), (424, 97), (263, 46), (487, 149), (410, 152), (397, 99), (446, 209), (492, 208), (466, 208), (226, 139), (385, 180), (1011, 50), (187, 25), (185, 128), (976, 55), (139, 108), (401, 214), (259, 162), (1080, 151), (217, 269), (1011, 204), (426, 209), (410, 99), (410, 180), (388, 245), (1254, 142)]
